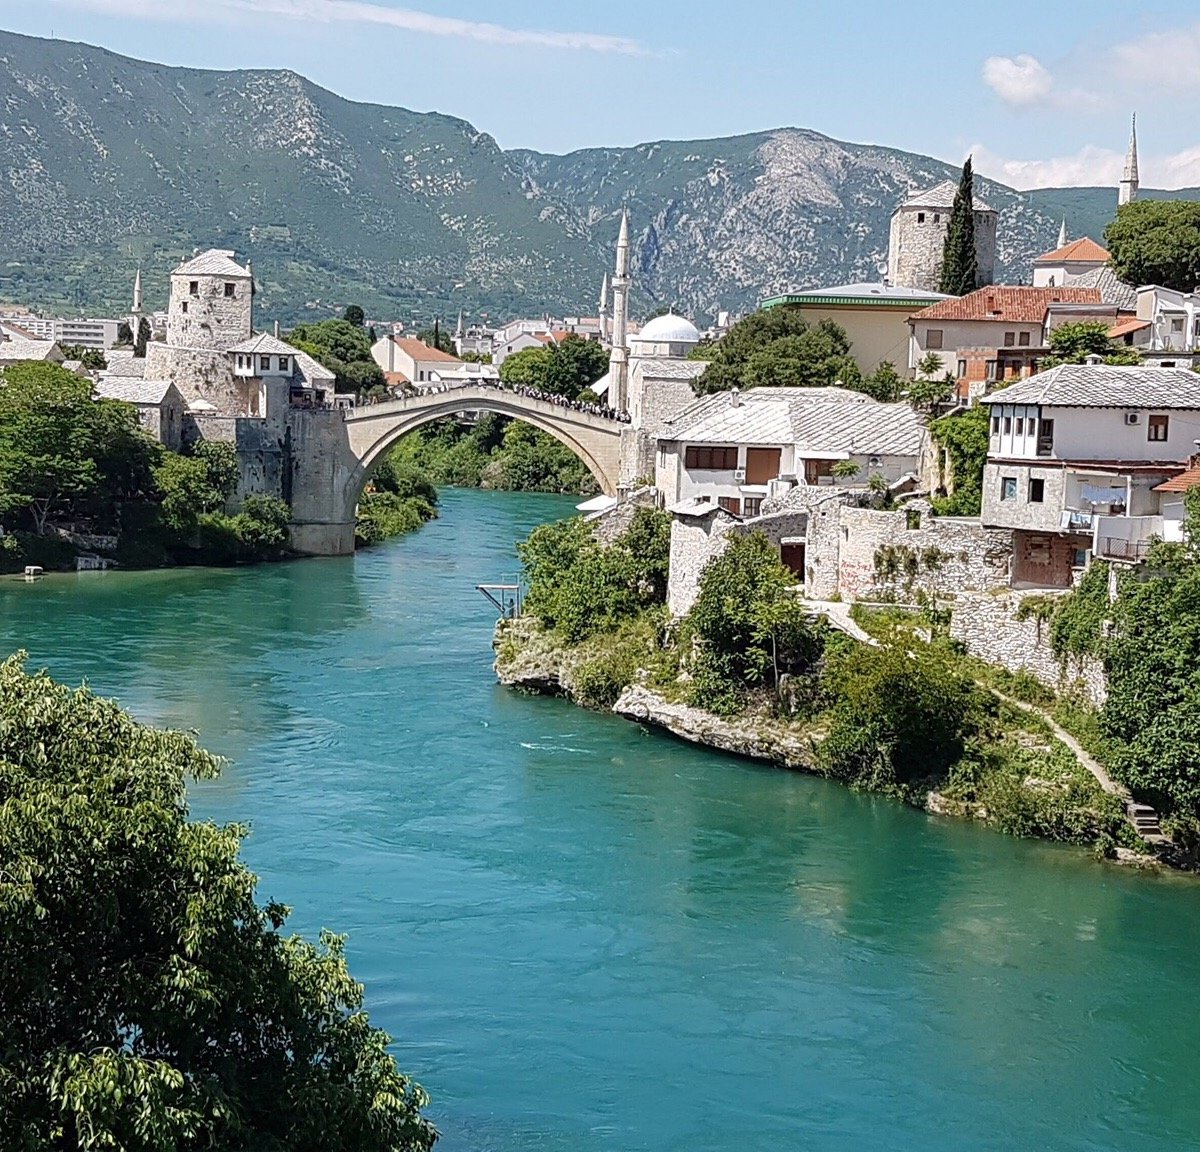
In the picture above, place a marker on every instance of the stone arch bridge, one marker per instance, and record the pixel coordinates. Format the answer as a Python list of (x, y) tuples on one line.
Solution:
[(334, 453)]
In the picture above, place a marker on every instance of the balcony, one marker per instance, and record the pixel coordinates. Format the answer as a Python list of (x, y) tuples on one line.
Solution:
[(1127, 539)]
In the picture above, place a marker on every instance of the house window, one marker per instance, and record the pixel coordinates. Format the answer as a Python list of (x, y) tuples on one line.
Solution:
[(751, 505), (937, 217), (933, 338), (1023, 339), (264, 363), (1037, 491), (194, 288), (704, 459), (730, 504), (1080, 558), (1020, 425), (962, 369), (993, 369), (995, 425), (1007, 425), (1045, 440), (228, 289), (1156, 429), (1008, 488), (283, 363), (920, 217), (1010, 338), (1177, 325)]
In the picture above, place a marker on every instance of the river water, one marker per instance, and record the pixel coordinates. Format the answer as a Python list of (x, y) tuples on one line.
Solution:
[(585, 937)]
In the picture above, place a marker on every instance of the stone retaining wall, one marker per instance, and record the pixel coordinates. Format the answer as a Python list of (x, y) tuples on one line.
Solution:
[(987, 625)]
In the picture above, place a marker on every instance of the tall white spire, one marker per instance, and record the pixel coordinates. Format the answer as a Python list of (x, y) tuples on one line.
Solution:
[(461, 330), (137, 293), (604, 309), (1129, 179), (618, 360), (1062, 234)]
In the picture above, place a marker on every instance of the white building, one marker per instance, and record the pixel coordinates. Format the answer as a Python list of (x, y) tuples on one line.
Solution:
[(407, 362), (1077, 258), (1173, 337), (732, 450), (1075, 458)]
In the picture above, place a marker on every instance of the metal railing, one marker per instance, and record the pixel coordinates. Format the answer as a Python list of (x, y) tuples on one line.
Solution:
[(1118, 548)]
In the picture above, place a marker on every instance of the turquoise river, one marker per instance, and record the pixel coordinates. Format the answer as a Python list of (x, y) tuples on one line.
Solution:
[(587, 937)]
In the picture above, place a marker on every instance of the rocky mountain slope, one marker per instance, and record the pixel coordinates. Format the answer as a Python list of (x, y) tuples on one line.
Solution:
[(107, 163)]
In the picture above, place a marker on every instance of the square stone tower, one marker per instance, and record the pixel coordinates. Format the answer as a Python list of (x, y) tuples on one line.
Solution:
[(212, 303), (918, 238)]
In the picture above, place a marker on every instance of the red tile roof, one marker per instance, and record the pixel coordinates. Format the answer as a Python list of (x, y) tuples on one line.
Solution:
[(1183, 482), (1085, 250), (393, 379), (1007, 305), (1124, 327), (418, 350)]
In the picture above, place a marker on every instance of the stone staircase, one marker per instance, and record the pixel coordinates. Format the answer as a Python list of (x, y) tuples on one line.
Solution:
[(1145, 820)]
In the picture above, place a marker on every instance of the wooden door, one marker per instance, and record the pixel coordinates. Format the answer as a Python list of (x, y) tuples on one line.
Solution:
[(792, 556), (762, 464)]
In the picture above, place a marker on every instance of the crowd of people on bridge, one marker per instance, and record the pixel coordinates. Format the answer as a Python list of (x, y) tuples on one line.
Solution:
[(592, 408)]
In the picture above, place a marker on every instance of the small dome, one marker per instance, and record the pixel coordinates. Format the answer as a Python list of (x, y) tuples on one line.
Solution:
[(669, 329)]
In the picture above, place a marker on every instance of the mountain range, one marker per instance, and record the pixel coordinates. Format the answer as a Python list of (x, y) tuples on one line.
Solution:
[(110, 163)]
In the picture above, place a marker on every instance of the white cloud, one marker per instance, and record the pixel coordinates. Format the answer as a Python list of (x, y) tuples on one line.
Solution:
[(1161, 59), (1019, 80), (1089, 167), (358, 12)]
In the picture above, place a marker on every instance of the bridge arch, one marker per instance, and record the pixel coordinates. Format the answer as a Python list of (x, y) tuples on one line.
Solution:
[(374, 429)]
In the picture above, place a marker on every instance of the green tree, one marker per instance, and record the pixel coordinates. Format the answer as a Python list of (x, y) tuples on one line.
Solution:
[(196, 485), (148, 1001), (1074, 343), (47, 452), (343, 348), (528, 368), (965, 438), (729, 356), (573, 366), (437, 337), (898, 716), (884, 384), (141, 339), (355, 315), (960, 269), (1156, 242), (91, 358), (749, 625), (124, 335)]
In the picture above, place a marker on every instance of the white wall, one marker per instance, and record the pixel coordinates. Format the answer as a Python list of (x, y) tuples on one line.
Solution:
[(1096, 434), (958, 334)]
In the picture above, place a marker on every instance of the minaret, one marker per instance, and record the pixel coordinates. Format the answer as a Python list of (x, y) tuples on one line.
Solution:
[(1062, 234), (460, 333), (618, 360), (1129, 181), (135, 316), (604, 310)]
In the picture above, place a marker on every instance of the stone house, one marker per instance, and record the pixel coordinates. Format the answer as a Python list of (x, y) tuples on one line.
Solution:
[(1172, 335), (736, 449), (160, 405), (16, 350), (1077, 457)]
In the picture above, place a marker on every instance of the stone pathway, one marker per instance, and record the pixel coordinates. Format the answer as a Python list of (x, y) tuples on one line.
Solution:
[(1143, 818)]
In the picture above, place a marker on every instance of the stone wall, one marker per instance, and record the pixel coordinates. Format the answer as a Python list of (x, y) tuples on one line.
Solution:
[(694, 541), (988, 627), (916, 246), (899, 554), (210, 318), (199, 374)]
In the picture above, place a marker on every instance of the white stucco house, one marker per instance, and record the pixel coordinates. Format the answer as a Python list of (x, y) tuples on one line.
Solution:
[(1076, 460), (735, 449)]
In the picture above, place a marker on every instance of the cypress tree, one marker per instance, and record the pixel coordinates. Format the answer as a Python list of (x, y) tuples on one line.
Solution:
[(143, 338), (960, 273)]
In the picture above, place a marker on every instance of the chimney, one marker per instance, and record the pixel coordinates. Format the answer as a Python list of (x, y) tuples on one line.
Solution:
[(276, 329), (1094, 360), (735, 398)]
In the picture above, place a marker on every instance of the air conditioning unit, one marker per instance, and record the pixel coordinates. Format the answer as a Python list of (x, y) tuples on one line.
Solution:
[(1132, 417), (739, 476)]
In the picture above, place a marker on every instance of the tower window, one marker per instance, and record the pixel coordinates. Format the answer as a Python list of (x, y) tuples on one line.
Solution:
[(920, 217), (183, 307), (194, 288), (228, 289)]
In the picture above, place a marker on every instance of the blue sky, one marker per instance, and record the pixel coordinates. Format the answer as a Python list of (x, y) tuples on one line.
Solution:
[(1041, 92)]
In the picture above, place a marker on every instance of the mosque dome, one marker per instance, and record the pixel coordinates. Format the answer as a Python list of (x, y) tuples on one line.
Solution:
[(669, 329)]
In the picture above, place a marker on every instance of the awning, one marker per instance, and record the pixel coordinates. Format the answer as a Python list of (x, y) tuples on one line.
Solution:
[(596, 504)]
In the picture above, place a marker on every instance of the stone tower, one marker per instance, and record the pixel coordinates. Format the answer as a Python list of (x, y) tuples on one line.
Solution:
[(618, 361), (1129, 178), (212, 304), (918, 238)]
